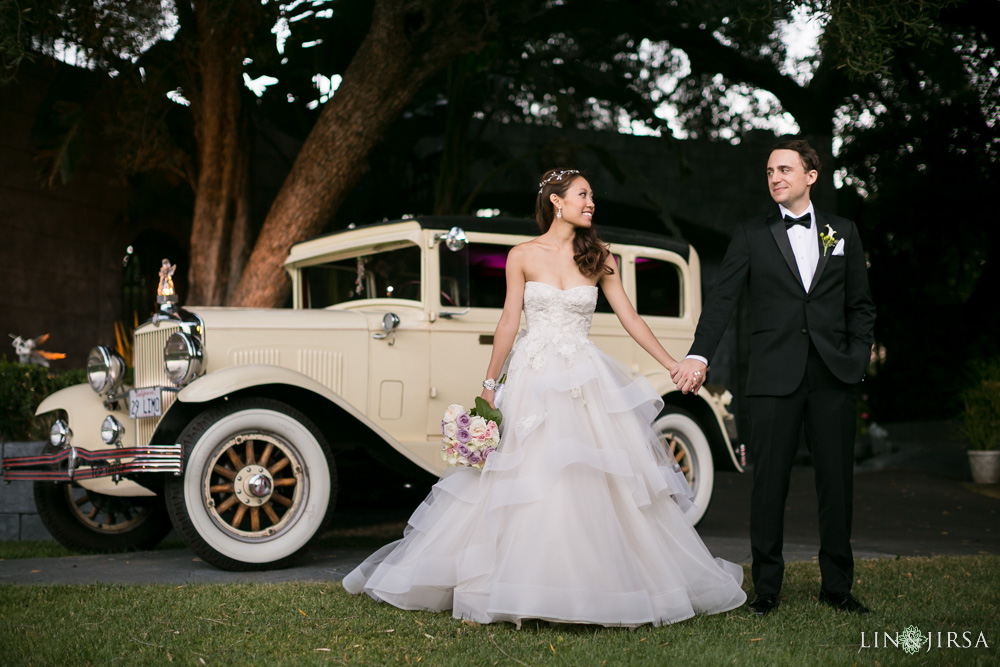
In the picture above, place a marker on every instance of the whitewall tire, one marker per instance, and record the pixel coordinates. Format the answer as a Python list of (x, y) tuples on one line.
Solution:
[(259, 485)]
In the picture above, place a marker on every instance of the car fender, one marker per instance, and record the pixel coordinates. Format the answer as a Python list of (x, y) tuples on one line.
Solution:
[(226, 381), (85, 412)]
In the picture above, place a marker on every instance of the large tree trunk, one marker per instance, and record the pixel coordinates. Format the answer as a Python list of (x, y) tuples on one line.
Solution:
[(220, 226), (407, 43)]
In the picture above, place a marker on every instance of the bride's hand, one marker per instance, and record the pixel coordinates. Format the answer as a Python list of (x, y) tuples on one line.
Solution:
[(488, 396)]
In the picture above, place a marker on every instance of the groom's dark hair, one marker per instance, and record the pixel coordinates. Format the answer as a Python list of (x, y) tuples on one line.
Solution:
[(810, 158)]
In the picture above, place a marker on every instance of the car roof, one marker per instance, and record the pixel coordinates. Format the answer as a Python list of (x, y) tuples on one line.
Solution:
[(528, 227)]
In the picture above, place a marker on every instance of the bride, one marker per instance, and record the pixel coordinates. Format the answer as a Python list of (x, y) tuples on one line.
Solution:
[(579, 515)]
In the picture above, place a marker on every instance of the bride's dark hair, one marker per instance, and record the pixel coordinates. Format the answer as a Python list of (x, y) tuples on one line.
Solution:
[(589, 252)]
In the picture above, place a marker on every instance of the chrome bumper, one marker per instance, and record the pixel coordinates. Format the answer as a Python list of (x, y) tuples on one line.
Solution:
[(87, 464)]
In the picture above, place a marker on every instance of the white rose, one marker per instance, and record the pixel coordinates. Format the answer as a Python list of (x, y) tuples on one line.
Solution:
[(452, 412), (450, 429), (477, 429)]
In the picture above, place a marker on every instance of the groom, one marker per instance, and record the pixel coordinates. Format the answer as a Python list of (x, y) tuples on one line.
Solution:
[(811, 316)]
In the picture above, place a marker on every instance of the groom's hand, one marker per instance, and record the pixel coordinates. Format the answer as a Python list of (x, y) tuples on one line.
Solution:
[(689, 375)]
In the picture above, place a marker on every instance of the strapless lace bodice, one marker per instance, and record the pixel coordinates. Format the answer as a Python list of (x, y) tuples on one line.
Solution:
[(551, 311), (556, 318)]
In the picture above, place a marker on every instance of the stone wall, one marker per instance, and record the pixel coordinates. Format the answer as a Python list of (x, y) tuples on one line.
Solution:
[(18, 515)]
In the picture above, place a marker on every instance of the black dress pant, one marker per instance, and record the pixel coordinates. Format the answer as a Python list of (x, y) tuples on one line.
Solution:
[(827, 408)]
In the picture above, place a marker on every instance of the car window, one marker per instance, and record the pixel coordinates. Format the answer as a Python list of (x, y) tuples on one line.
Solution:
[(388, 274), (483, 266), (658, 287), (474, 276)]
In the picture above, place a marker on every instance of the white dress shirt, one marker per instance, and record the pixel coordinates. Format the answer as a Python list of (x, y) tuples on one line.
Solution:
[(805, 247)]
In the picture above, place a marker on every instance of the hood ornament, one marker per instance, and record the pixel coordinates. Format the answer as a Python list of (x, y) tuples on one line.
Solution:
[(165, 290)]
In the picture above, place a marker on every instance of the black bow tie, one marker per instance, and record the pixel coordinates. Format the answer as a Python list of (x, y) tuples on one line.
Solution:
[(805, 221)]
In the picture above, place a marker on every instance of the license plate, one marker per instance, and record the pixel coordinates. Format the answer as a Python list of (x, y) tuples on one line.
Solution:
[(144, 403)]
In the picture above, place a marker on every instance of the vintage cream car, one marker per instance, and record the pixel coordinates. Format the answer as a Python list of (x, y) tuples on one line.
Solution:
[(243, 424)]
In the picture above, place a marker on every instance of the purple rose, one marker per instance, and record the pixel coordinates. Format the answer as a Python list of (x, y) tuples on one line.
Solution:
[(464, 420), (463, 450), (474, 459), (462, 435), (487, 452)]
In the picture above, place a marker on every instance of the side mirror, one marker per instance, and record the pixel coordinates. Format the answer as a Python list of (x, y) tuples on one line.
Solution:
[(455, 239), (389, 323)]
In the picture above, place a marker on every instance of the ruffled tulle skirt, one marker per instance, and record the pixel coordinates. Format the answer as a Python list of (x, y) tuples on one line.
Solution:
[(578, 517)]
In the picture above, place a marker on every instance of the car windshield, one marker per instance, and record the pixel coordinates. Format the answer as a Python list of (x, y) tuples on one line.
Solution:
[(386, 274)]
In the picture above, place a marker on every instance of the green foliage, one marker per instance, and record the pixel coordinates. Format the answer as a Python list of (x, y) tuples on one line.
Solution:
[(22, 388), (484, 410), (933, 133), (109, 33), (319, 623), (864, 36), (981, 412), (12, 46)]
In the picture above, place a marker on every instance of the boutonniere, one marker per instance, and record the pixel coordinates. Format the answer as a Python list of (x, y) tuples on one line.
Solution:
[(829, 239)]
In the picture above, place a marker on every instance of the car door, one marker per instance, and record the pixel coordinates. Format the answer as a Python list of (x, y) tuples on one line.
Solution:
[(471, 286), (386, 279)]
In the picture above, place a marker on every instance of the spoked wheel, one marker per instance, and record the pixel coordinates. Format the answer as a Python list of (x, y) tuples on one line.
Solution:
[(255, 476), (259, 485), (680, 451), (685, 443), (84, 520)]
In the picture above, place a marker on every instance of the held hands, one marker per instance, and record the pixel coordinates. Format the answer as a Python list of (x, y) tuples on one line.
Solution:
[(688, 375)]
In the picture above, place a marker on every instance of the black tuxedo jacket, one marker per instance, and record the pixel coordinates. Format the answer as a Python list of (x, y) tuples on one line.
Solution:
[(836, 313)]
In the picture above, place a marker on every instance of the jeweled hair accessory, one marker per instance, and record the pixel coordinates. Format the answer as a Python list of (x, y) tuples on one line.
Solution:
[(557, 176)]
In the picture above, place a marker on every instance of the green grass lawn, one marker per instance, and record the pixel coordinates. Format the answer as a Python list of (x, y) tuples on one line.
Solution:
[(318, 623), (370, 536), (51, 549)]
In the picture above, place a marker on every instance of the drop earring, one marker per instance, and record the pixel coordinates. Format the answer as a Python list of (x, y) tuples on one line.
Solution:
[(559, 212)]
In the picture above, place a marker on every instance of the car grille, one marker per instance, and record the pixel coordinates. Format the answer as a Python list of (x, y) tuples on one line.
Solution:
[(149, 372)]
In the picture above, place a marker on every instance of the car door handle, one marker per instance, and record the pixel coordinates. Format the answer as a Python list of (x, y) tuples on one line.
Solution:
[(485, 339)]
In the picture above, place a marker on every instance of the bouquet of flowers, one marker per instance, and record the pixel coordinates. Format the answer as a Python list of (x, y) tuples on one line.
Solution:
[(469, 437)]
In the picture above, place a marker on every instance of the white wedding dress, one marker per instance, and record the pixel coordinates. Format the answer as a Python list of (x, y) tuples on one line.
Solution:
[(578, 517)]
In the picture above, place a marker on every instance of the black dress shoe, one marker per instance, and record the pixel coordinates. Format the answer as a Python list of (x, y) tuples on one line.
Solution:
[(763, 604), (843, 602)]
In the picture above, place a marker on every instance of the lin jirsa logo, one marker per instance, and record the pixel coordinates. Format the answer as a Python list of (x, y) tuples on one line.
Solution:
[(912, 641)]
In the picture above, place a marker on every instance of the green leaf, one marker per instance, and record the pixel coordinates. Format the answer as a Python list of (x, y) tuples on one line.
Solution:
[(484, 410)]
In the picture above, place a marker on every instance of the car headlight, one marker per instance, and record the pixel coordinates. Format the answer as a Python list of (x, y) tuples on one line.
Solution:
[(105, 370), (112, 431), (182, 358), (60, 435)]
